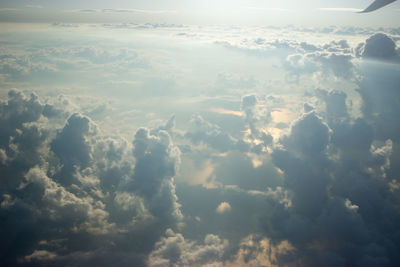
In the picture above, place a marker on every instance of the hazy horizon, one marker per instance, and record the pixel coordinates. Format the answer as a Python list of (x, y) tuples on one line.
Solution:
[(246, 13)]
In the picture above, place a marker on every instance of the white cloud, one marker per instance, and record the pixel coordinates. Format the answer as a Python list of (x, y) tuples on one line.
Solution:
[(224, 207), (340, 9)]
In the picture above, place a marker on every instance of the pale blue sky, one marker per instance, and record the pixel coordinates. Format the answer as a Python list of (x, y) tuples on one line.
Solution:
[(154, 4), (254, 12)]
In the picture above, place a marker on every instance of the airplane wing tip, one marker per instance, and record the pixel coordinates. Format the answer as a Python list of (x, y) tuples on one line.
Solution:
[(377, 4)]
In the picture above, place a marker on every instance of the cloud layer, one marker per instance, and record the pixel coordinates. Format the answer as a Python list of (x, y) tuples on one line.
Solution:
[(306, 175)]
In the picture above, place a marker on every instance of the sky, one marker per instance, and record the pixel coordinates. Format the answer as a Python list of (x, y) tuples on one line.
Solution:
[(199, 133), (232, 12)]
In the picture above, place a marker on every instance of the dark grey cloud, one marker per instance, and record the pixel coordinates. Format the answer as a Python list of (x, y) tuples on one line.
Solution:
[(338, 191), (16, 111), (380, 95), (156, 162), (75, 197), (309, 136), (72, 146), (378, 46), (306, 143)]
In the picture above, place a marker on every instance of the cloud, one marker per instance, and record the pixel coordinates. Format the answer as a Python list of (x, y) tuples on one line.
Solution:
[(248, 104), (18, 110), (156, 162), (378, 90), (223, 207), (378, 46), (247, 171), (327, 63), (309, 136), (40, 255), (256, 250), (345, 174), (88, 10), (174, 250), (235, 184), (72, 146), (210, 134), (256, 116), (145, 11), (90, 186), (340, 9), (268, 9)]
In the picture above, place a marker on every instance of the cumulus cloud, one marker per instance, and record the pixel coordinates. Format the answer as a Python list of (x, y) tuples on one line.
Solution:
[(329, 173), (309, 136), (378, 46), (337, 64), (72, 146), (320, 192), (40, 255), (223, 207), (255, 250), (256, 117), (210, 134), (379, 92), (156, 162), (174, 250), (63, 189)]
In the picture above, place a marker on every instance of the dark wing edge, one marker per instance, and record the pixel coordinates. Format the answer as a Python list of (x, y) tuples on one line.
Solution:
[(376, 5)]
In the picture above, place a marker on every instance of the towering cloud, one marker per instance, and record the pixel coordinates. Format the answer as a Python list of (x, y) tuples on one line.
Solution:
[(72, 195), (379, 46), (338, 193)]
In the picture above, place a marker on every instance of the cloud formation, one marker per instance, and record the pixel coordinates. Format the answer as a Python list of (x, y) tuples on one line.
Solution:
[(68, 194), (233, 186), (378, 46), (174, 250), (329, 202), (223, 207)]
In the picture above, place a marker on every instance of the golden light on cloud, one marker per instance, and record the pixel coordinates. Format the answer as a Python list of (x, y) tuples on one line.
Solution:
[(197, 175), (256, 162), (227, 112), (283, 116), (267, 253), (224, 207), (275, 132)]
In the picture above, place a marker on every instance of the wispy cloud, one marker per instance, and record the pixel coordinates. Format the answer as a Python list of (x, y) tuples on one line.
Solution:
[(148, 11), (340, 9), (267, 8), (34, 6), (88, 10), (124, 10), (8, 9)]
